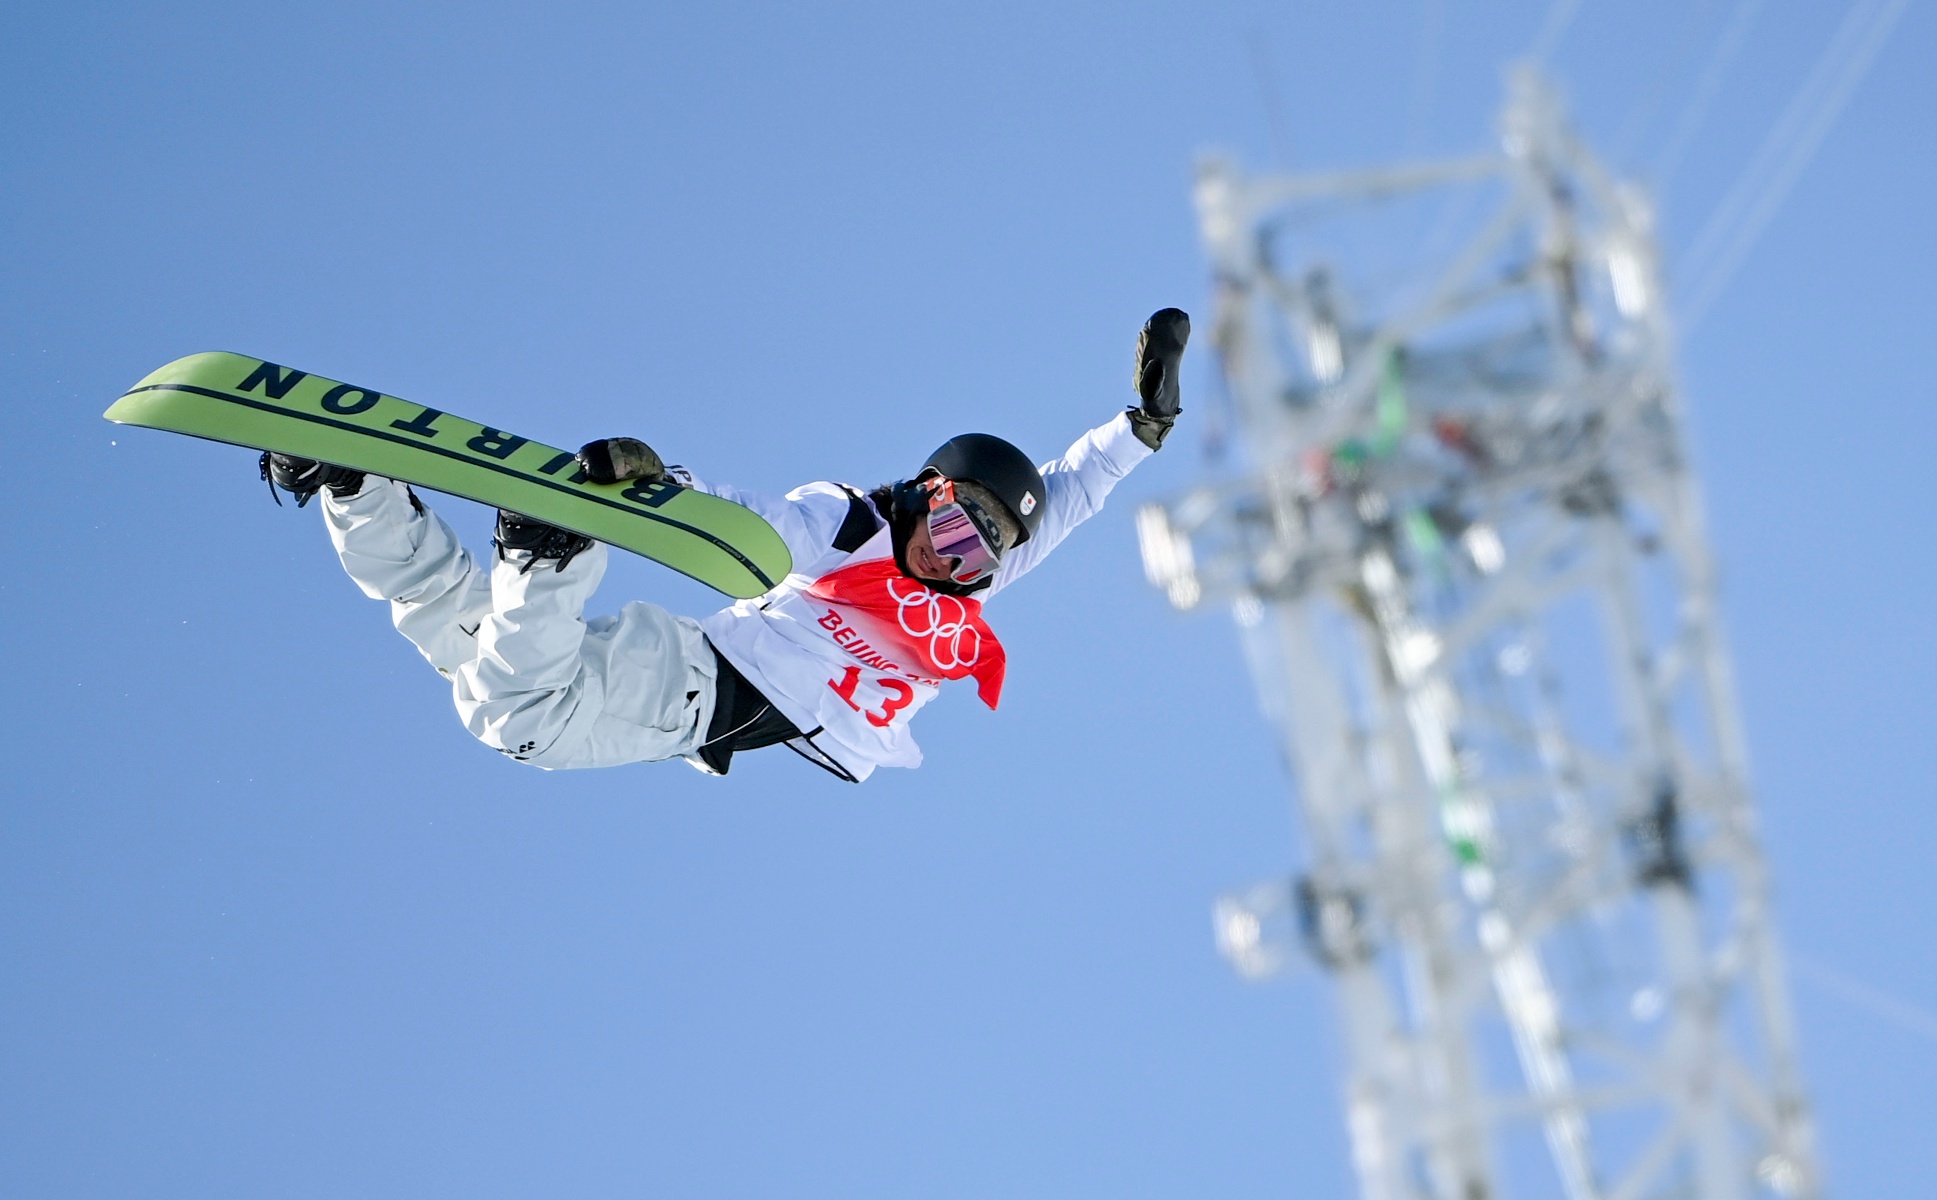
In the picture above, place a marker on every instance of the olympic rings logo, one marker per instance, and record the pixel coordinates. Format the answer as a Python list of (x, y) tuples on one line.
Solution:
[(953, 643)]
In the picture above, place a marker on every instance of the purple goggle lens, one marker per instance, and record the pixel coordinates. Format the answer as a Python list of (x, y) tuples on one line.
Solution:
[(956, 534)]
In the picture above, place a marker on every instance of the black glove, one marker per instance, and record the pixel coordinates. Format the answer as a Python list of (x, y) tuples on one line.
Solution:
[(615, 460), (1160, 353)]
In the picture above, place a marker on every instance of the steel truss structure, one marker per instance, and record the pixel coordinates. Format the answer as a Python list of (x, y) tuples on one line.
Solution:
[(1466, 555)]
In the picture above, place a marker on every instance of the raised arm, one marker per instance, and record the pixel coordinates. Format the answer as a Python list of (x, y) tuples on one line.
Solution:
[(1074, 488), (1076, 484)]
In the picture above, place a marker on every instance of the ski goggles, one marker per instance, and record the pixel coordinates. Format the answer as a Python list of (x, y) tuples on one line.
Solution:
[(960, 530)]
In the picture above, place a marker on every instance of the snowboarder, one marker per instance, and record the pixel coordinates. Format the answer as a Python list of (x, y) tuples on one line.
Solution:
[(884, 602)]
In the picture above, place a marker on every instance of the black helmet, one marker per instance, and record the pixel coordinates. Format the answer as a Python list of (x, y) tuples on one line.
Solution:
[(998, 466)]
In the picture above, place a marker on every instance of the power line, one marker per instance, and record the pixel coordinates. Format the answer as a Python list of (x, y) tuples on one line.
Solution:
[(1734, 34), (1781, 138), (1875, 1001), (1729, 235)]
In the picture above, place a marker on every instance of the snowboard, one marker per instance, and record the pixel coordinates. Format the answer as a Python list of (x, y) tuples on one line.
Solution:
[(250, 402)]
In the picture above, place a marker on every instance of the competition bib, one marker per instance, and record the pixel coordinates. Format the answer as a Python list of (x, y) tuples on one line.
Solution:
[(893, 623), (857, 652)]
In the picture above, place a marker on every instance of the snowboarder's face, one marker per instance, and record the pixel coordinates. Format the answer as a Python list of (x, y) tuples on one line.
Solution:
[(956, 543), (923, 562)]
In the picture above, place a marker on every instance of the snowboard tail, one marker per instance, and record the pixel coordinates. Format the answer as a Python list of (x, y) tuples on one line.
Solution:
[(249, 402)]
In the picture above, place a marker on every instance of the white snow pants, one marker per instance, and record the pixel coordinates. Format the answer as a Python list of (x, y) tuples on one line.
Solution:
[(530, 676)]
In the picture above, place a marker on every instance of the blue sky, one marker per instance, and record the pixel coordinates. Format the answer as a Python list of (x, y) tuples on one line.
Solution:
[(272, 924)]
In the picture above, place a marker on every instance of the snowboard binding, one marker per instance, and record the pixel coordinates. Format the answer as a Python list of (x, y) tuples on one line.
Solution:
[(543, 542), (302, 478)]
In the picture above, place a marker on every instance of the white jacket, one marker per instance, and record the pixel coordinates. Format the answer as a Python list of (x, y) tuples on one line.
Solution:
[(851, 684)]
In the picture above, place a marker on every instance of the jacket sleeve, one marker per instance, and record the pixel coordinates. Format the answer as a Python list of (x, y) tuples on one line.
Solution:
[(1074, 488), (808, 519)]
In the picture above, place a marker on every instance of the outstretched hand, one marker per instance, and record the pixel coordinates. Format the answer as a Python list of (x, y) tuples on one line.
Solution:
[(1160, 354), (615, 460)]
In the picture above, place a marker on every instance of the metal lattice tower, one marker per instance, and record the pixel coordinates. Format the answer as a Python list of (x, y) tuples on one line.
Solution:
[(1466, 555)]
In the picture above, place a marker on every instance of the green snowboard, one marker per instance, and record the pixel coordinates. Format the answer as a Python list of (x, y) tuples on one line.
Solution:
[(249, 402)]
